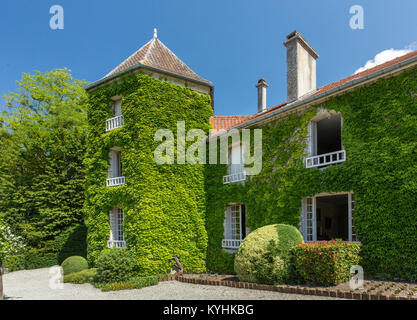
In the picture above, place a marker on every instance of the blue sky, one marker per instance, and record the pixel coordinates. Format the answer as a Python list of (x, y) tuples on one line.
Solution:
[(230, 42)]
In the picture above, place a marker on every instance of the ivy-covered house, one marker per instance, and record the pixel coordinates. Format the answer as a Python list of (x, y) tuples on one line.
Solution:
[(339, 161)]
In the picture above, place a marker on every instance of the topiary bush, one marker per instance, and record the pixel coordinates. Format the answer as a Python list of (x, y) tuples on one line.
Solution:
[(325, 263), (115, 265), (263, 256), (74, 264), (84, 276)]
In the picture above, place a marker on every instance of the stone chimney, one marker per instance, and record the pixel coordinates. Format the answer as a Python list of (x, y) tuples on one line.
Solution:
[(261, 85), (301, 66)]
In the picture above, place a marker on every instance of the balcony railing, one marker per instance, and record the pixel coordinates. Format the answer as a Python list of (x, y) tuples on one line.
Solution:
[(231, 243), (116, 244), (117, 181), (326, 159), (114, 123), (235, 177)]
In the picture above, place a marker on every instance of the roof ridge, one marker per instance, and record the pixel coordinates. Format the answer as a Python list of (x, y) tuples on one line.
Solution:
[(148, 51), (179, 60), (124, 61)]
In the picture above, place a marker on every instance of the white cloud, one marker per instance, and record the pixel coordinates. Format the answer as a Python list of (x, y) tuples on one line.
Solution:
[(387, 55)]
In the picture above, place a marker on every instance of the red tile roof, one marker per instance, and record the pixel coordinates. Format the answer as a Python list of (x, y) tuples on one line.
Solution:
[(155, 54), (331, 86), (220, 123)]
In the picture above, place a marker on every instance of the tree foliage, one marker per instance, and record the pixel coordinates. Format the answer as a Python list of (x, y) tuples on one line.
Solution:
[(42, 142)]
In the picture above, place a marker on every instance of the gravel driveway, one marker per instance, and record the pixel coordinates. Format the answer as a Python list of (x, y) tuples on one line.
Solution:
[(34, 285)]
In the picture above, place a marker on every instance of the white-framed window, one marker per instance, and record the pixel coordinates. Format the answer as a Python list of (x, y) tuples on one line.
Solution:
[(117, 120), (114, 173), (235, 229), (327, 217), (235, 168), (117, 237), (324, 145), (117, 107)]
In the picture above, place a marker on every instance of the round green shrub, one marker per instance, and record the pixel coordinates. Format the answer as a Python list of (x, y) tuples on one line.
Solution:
[(114, 265), (74, 264), (263, 256)]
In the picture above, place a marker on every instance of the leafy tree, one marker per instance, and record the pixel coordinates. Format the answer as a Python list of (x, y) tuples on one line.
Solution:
[(42, 142)]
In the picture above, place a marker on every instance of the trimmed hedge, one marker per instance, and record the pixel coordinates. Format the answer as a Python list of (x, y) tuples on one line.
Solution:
[(115, 265), (134, 283), (14, 263), (74, 264), (263, 256), (325, 263), (84, 276)]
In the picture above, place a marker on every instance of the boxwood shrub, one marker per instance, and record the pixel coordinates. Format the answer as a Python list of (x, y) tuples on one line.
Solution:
[(325, 262), (263, 256), (115, 265), (84, 276), (74, 264)]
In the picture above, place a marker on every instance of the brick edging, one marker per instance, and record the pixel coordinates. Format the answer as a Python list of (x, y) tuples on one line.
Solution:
[(326, 292)]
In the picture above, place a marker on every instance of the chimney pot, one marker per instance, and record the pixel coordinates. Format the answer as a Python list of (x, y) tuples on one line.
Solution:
[(261, 85)]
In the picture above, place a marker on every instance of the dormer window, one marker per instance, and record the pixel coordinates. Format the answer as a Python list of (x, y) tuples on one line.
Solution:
[(114, 175), (325, 143), (117, 120)]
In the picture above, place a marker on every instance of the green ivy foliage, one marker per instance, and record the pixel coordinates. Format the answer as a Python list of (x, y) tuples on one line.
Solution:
[(379, 136), (164, 205)]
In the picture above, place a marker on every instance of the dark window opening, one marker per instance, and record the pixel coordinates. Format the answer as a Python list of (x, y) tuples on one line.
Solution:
[(332, 214), (328, 133)]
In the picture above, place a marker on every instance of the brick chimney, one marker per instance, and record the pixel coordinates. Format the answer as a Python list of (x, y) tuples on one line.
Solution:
[(301, 66), (261, 85)]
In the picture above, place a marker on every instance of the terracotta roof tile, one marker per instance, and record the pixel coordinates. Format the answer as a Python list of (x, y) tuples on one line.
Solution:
[(221, 123), (156, 54)]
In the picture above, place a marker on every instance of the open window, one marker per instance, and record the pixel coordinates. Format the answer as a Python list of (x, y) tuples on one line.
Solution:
[(235, 167), (235, 229), (117, 237), (326, 146), (117, 120), (114, 174), (327, 217)]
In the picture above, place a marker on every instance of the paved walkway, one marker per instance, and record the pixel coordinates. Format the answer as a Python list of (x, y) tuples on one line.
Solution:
[(34, 285)]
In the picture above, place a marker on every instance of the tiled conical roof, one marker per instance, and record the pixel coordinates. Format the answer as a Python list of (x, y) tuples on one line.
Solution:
[(155, 54)]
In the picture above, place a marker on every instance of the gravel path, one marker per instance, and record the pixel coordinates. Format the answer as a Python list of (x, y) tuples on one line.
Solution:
[(34, 285)]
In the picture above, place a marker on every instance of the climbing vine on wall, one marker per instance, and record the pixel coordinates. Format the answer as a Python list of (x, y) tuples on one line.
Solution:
[(164, 205), (379, 134)]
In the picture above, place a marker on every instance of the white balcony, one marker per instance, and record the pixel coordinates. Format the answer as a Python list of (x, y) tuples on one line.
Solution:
[(116, 244), (114, 123), (235, 177), (231, 243), (326, 159), (117, 181)]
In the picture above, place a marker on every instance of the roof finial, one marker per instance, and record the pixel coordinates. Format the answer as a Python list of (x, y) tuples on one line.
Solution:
[(155, 33)]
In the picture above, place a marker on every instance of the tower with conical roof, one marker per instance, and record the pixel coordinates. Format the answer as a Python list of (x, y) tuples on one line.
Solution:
[(152, 205)]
